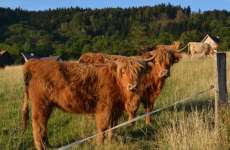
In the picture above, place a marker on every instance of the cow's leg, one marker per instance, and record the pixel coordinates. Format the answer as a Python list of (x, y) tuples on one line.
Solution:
[(148, 109), (132, 108), (40, 114), (110, 134), (131, 116), (150, 103), (113, 123), (149, 106), (127, 109), (103, 118)]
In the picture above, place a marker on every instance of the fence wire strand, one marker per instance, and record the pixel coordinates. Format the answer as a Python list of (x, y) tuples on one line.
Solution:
[(136, 118)]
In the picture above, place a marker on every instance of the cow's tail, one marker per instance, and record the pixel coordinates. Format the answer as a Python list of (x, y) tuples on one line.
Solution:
[(25, 104)]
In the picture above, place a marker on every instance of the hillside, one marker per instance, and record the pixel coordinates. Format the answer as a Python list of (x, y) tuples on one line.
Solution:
[(68, 32), (187, 126)]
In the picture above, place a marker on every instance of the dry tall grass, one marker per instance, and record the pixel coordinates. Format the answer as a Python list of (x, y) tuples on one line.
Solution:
[(194, 131), (189, 126)]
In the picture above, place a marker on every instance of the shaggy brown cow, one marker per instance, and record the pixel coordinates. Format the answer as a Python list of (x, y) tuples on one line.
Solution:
[(72, 87), (152, 82), (128, 72)]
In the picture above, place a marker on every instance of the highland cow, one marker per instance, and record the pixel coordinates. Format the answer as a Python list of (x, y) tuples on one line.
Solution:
[(130, 71), (152, 82), (73, 87)]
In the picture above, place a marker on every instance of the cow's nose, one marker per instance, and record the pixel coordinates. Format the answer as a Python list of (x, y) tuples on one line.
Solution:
[(165, 73), (132, 87)]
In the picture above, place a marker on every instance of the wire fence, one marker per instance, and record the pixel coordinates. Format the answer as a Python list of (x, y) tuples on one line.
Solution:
[(137, 118), (217, 93)]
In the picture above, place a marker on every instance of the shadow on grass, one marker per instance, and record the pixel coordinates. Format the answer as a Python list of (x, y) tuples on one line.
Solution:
[(149, 132), (191, 105), (194, 104), (125, 135), (146, 132), (70, 141), (26, 144)]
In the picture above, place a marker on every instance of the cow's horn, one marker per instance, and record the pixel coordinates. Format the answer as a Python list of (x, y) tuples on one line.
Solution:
[(149, 59), (26, 60)]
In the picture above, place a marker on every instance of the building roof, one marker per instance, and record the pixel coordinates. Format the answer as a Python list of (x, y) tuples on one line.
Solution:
[(216, 39)]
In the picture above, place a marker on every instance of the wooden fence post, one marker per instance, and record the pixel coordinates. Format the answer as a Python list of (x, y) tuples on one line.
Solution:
[(221, 94)]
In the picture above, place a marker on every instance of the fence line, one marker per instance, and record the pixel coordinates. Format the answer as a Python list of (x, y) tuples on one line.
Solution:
[(136, 118)]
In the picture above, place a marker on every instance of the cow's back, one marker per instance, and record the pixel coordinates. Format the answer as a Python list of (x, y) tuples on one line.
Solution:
[(93, 84), (198, 48), (72, 86)]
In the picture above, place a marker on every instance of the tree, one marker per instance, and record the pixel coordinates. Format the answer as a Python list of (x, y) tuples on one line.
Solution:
[(180, 15), (189, 36), (137, 36), (71, 31)]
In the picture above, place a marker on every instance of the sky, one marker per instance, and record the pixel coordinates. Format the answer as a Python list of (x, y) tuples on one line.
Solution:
[(195, 5)]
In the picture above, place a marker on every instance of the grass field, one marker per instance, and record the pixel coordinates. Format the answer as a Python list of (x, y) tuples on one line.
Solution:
[(189, 126)]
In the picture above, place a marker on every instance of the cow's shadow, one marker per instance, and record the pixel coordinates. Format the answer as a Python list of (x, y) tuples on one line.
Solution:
[(89, 143), (143, 133), (191, 105), (149, 132)]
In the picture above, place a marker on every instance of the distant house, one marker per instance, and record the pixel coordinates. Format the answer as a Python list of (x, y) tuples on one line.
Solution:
[(212, 41), (5, 59)]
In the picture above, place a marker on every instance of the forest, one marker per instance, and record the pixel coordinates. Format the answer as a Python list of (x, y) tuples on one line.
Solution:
[(68, 32)]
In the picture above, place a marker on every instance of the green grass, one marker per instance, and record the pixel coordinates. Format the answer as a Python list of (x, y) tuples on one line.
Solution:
[(188, 126)]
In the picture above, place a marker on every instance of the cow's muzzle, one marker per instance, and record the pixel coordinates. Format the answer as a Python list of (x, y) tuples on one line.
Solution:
[(132, 87), (165, 73)]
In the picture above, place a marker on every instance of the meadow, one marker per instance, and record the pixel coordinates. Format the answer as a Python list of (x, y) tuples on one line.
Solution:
[(187, 126)]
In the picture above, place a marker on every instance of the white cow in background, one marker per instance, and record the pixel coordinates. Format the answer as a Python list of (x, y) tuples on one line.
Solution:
[(200, 49)]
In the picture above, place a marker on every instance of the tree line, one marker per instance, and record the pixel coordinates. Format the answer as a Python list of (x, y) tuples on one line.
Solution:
[(68, 32)]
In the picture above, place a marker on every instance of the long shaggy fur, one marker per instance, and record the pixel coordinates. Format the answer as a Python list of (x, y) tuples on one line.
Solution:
[(152, 82), (131, 66), (72, 87), (174, 46), (130, 69)]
